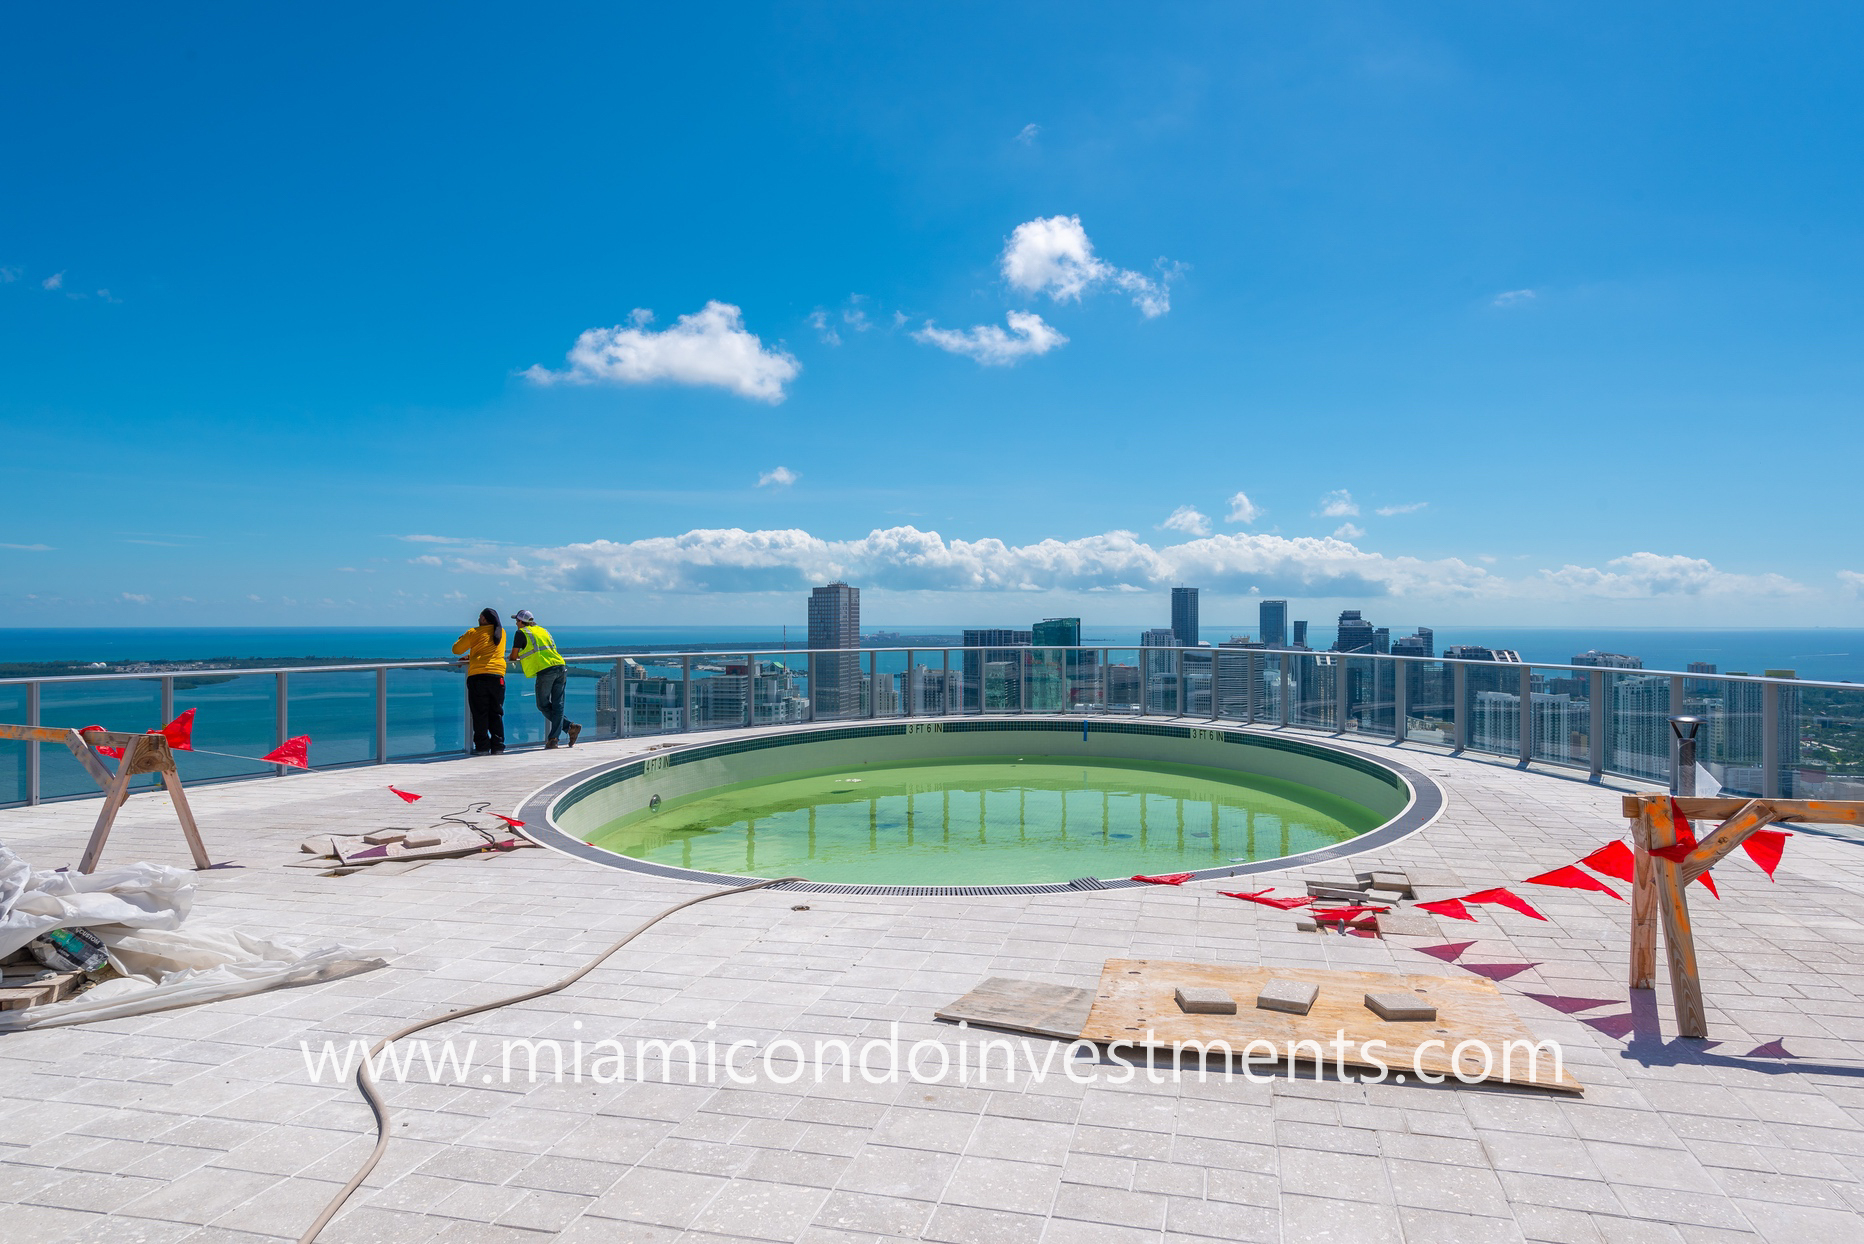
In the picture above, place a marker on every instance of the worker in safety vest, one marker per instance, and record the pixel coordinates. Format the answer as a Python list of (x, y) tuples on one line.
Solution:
[(536, 654)]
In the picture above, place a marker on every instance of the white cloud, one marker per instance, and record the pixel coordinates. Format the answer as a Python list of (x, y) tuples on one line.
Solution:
[(1242, 509), (1053, 254), (1186, 519), (1339, 504), (1027, 135), (990, 345), (1656, 574), (1348, 531), (425, 559), (818, 320), (1388, 510), (1853, 580), (781, 477), (709, 348), (1514, 298), (107, 296), (55, 281), (28, 548), (8, 275), (421, 539), (137, 598)]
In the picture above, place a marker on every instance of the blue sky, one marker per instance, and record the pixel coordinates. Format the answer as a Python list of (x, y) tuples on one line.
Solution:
[(1523, 314)]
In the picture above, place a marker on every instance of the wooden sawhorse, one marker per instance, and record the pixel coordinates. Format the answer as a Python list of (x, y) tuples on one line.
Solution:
[(142, 753)]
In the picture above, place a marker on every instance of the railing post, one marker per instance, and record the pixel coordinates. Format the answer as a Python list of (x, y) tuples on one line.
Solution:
[(381, 714), (32, 748), (1459, 705), (1401, 701), (168, 697), (750, 689), (1676, 710), (1342, 696), (809, 658), (1249, 688), (622, 717), (873, 682), (1184, 682), (687, 719), (1770, 758), (1287, 679), (1527, 715), (281, 714), (944, 692), (1596, 686), (907, 689)]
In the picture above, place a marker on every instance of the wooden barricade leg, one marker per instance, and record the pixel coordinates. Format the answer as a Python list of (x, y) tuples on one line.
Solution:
[(1643, 908), (1679, 938), (171, 780), (114, 795)]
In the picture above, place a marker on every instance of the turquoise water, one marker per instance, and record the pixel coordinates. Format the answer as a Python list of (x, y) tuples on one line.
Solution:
[(987, 822)]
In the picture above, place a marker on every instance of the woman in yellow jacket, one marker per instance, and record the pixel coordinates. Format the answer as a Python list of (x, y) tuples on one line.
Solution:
[(484, 649)]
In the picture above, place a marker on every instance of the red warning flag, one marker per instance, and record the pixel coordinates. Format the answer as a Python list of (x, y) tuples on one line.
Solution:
[(1764, 847), (180, 732), (1507, 898), (1345, 913), (1161, 879), (1709, 881), (295, 753), (1685, 837), (1615, 860), (407, 796), (1451, 907), (520, 824), (102, 751), (1573, 877), (1262, 897)]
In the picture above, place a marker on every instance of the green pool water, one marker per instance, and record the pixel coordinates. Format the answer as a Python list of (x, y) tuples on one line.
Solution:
[(986, 822)]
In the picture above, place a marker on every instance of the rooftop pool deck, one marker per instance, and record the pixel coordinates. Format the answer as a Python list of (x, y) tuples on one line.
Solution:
[(202, 1124)]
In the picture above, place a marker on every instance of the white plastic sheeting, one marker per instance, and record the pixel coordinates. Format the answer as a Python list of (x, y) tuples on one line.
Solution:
[(136, 911)]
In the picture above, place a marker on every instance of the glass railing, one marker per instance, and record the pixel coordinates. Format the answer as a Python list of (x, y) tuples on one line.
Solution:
[(1762, 736)]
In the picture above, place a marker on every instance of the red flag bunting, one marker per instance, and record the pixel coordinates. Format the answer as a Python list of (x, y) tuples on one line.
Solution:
[(1262, 897), (1345, 913), (1615, 860), (1709, 881), (1685, 837), (295, 753), (1451, 907), (1507, 898), (1764, 847), (520, 824), (103, 751), (407, 796), (1163, 878), (1573, 878), (180, 732)]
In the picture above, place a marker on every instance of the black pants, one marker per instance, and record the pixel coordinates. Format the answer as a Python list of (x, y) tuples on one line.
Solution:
[(485, 696)]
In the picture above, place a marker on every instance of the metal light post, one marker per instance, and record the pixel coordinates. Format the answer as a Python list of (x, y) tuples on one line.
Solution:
[(1683, 771)]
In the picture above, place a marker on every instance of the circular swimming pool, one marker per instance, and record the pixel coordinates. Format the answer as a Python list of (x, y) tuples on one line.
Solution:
[(1012, 805)]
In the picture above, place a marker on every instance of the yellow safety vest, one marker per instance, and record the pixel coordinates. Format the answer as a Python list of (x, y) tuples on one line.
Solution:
[(539, 652)]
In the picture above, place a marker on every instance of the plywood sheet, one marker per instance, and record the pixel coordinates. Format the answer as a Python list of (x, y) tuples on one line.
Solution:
[(1135, 1003), (1024, 1006)]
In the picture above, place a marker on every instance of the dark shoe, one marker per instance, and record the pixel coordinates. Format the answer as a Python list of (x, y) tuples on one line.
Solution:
[(498, 751), (550, 745), (575, 733)]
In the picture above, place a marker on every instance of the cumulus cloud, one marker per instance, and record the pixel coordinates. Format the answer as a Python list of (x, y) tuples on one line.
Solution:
[(1514, 298), (1348, 531), (1339, 504), (1851, 579), (818, 320), (1053, 255), (425, 559), (1388, 510), (1027, 135), (28, 548), (1029, 335), (424, 539), (137, 598), (707, 348), (779, 477), (55, 281), (1186, 519), (1242, 509), (1656, 574)]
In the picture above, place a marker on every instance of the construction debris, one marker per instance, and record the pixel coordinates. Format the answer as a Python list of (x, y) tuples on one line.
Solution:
[(1400, 1007), (1294, 997), (1200, 1000)]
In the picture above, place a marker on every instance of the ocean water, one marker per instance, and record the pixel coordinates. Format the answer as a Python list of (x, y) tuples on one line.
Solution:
[(986, 822), (1828, 653)]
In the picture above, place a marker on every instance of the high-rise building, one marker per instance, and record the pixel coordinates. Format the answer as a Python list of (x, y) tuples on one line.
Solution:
[(1184, 616), (1418, 645), (1158, 637), (1056, 632), (1738, 733), (1274, 623), (1055, 664), (1300, 635), (1701, 686), (993, 678), (1640, 726), (1607, 660), (835, 675), (1382, 640), (1355, 633)]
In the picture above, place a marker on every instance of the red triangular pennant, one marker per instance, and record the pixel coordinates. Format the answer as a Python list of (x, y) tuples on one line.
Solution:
[(1263, 897), (407, 796), (180, 732), (1574, 878), (1507, 898), (1345, 913), (1451, 907), (294, 753), (520, 824), (1614, 860), (1685, 837), (1709, 881), (1764, 847), (102, 751), (1162, 878)]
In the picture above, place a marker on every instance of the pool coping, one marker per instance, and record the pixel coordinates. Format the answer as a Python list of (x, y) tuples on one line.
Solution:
[(1424, 805)]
